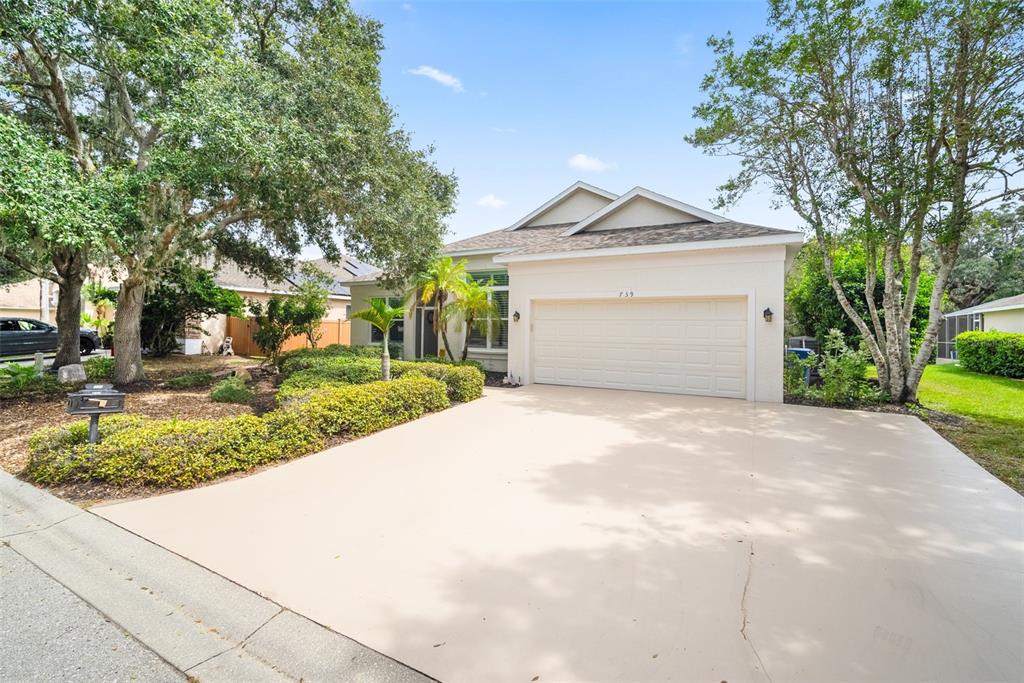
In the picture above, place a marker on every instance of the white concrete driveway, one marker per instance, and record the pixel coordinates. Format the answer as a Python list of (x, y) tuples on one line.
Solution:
[(558, 534)]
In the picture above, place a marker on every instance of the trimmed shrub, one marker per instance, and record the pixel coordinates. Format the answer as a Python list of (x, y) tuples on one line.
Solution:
[(55, 455), (366, 408), (463, 382), (992, 353), (192, 380), (183, 453), (469, 361), (99, 369), (231, 390), (300, 359)]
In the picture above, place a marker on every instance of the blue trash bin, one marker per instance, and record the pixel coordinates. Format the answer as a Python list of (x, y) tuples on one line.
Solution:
[(802, 354)]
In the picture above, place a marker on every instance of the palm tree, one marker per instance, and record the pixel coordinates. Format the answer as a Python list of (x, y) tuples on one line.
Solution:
[(478, 311), (443, 279), (382, 316)]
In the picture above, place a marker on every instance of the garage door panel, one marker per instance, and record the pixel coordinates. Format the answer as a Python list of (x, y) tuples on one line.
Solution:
[(730, 333), (698, 382), (695, 346), (729, 386), (729, 360), (699, 333)]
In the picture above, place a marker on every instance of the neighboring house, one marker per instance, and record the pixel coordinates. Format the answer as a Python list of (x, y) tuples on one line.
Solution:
[(1005, 315), (36, 298), (228, 275), (638, 291)]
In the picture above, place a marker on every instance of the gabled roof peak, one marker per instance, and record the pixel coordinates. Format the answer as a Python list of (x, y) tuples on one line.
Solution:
[(642, 192), (578, 186)]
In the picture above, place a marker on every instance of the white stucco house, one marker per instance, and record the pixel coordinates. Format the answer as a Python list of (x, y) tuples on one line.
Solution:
[(634, 291), (1003, 315)]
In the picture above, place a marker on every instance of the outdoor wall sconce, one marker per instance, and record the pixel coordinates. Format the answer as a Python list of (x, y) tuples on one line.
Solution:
[(515, 316), (768, 315)]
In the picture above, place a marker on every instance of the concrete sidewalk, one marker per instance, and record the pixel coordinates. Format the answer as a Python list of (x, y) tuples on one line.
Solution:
[(47, 633), (67, 573)]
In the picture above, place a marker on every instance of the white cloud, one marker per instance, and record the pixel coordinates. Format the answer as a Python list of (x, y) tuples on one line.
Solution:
[(585, 162), (491, 202), (407, 6), (504, 130), (441, 77)]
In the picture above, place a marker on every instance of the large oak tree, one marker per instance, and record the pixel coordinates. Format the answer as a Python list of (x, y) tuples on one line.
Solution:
[(51, 220), (885, 124), (245, 129)]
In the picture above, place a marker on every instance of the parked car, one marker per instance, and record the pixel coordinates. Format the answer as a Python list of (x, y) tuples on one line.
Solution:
[(25, 336)]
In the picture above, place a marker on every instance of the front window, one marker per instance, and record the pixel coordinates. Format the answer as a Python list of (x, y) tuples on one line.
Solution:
[(396, 334), (497, 336)]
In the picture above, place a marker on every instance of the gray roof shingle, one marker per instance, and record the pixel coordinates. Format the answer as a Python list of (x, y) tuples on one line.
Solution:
[(1015, 301), (549, 239), (227, 274), (553, 241)]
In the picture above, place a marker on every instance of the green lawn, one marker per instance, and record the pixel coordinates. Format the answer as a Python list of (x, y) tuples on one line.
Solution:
[(994, 436)]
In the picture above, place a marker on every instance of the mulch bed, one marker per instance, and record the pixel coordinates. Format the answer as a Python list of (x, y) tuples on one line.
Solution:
[(21, 417), (914, 409)]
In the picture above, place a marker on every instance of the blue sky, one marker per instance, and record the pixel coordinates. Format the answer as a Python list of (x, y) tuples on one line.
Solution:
[(520, 99)]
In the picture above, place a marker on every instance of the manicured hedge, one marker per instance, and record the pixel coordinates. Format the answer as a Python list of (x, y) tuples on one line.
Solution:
[(183, 453), (464, 382), (993, 353), (300, 359)]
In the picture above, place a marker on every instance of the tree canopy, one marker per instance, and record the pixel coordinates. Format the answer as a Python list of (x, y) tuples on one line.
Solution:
[(888, 123), (991, 261), (245, 129), (812, 306), (183, 297)]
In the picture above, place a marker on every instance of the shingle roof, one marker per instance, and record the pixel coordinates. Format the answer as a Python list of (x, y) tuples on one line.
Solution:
[(549, 239), (228, 275), (552, 240), (1015, 301), (508, 239)]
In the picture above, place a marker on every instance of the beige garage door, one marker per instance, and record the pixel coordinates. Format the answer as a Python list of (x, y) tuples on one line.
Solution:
[(682, 346)]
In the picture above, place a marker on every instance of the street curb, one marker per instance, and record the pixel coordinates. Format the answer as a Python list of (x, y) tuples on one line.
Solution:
[(203, 624)]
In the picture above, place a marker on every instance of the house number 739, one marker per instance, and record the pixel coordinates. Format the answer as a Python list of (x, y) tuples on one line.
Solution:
[(626, 294)]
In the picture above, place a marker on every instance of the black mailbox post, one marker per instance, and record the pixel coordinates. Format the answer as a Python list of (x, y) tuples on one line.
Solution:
[(95, 400)]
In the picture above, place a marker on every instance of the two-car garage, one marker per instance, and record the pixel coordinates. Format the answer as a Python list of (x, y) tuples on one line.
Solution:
[(691, 345)]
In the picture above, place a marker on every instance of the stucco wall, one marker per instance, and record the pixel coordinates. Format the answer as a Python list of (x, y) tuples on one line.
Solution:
[(37, 298), (641, 211), (756, 272), (361, 295), (1005, 321), (572, 209)]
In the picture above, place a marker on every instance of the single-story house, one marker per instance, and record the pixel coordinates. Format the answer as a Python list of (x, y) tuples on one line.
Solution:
[(1005, 315), (228, 275), (634, 291)]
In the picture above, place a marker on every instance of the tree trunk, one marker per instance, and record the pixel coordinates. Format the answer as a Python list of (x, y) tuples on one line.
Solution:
[(127, 331), (440, 325), (71, 269), (385, 361), (465, 342)]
